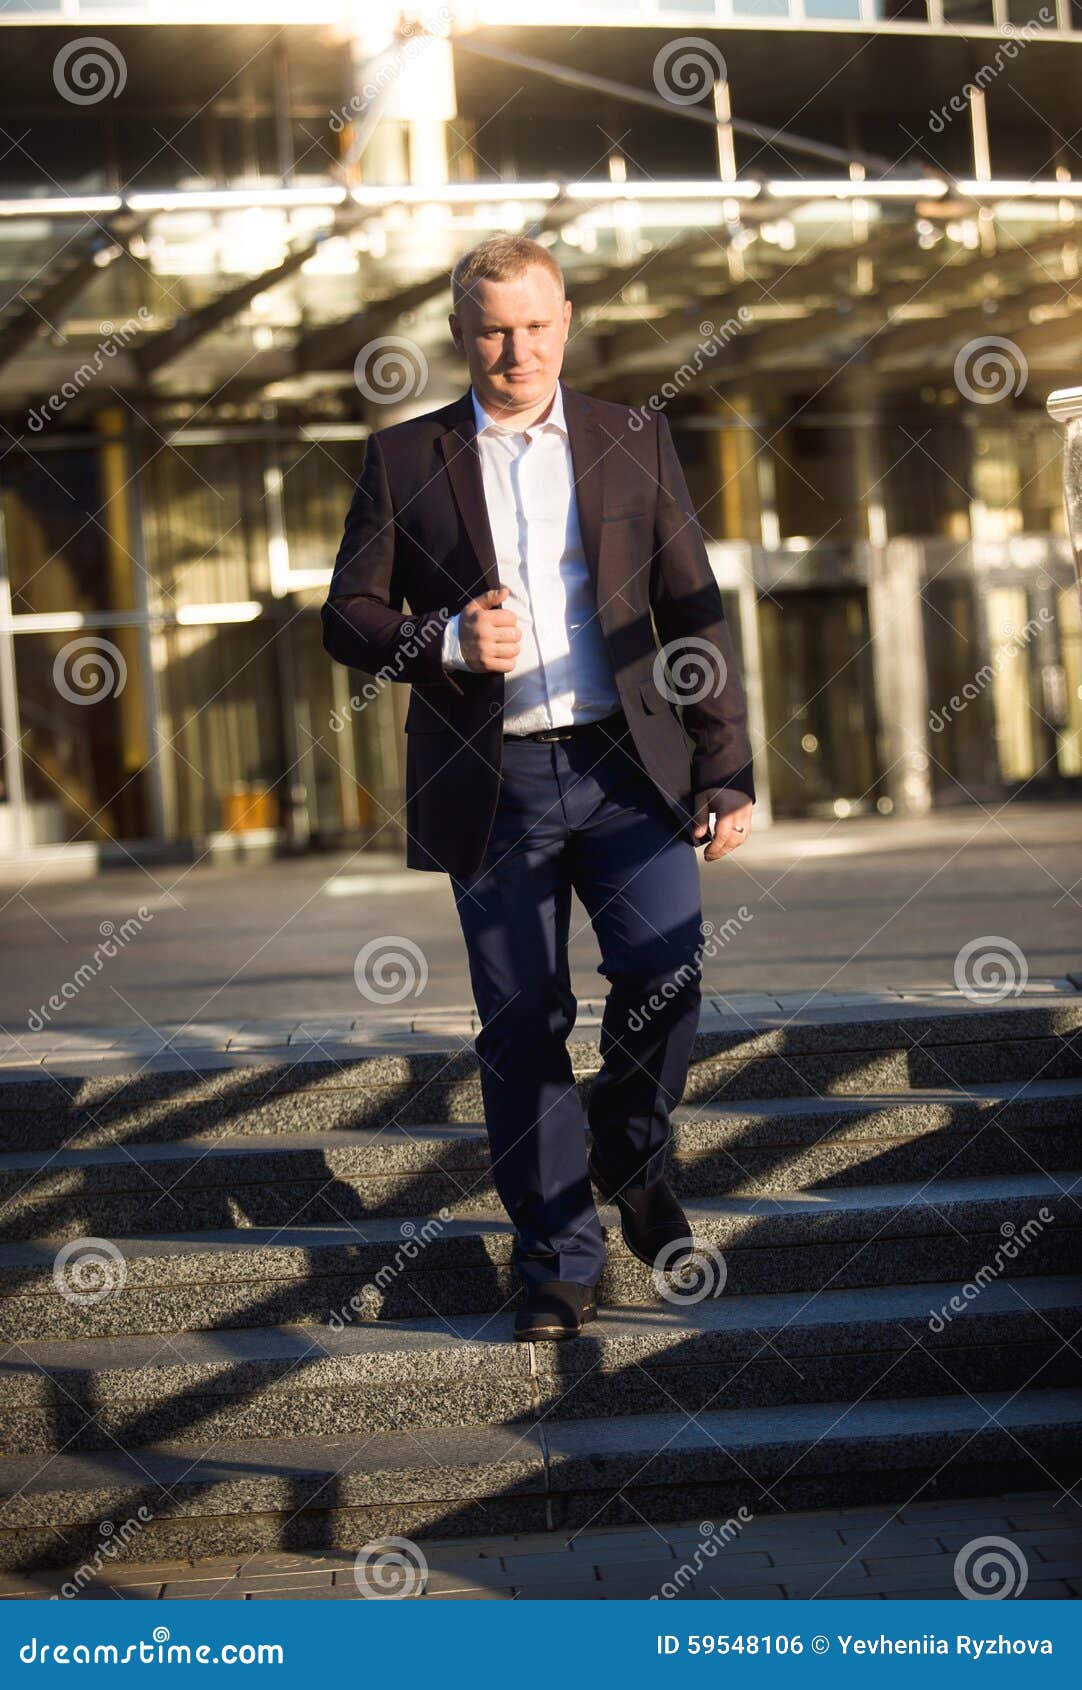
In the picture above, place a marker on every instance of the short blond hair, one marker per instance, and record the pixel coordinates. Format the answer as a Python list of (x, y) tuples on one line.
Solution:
[(501, 258)]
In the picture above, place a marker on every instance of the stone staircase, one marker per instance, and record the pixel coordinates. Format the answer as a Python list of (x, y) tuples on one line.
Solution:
[(304, 1341)]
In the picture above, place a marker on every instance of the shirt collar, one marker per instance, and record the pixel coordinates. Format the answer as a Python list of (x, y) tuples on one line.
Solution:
[(555, 416)]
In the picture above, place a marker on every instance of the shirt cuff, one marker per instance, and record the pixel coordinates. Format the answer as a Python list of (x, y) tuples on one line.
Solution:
[(451, 653)]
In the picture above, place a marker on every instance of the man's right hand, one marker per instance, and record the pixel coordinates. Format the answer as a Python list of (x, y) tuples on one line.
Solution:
[(489, 638)]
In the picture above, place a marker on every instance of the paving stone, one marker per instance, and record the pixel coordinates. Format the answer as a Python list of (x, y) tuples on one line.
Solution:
[(203, 1592), (819, 1550), (533, 1543), (870, 1541), (1051, 1521), (570, 1566), (469, 1577), (120, 1593), (304, 1593), (904, 1564), (654, 1572), (1046, 1548), (612, 1539), (1052, 1591), (540, 1592), (480, 1594), (277, 1581), (615, 1554), (633, 1591)]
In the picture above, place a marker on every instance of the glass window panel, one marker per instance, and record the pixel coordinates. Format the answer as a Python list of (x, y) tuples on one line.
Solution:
[(67, 533), (961, 740), (1016, 720), (901, 11), (1040, 451), (352, 743), (222, 758), (84, 742), (998, 475), (819, 701), (205, 520), (761, 8), (1069, 741), (816, 486), (924, 486), (317, 486), (833, 9), (968, 11)]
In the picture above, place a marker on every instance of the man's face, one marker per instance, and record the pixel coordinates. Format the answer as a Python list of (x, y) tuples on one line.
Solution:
[(512, 336)]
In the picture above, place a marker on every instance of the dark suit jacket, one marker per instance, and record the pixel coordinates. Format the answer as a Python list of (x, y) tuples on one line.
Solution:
[(418, 531)]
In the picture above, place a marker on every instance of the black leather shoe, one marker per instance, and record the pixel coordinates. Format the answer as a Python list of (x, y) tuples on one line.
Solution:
[(557, 1308), (654, 1226)]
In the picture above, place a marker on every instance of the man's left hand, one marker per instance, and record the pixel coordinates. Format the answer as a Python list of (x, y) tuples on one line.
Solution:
[(732, 821)]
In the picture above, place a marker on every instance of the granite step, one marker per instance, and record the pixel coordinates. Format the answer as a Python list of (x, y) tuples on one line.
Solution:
[(724, 1352), (403, 1269), (173, 1500), (838, 1053), (773, 1144)]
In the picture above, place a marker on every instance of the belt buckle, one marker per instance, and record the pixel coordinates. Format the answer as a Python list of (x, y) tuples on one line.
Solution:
[(547, 734)]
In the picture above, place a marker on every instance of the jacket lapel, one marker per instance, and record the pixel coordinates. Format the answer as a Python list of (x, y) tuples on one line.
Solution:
[(458, 444), (589, 446)]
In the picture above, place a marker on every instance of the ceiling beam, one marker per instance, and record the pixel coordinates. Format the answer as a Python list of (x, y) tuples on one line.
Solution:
[(101, 243)]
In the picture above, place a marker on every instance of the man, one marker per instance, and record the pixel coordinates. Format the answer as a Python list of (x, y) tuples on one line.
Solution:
[(539, 537)]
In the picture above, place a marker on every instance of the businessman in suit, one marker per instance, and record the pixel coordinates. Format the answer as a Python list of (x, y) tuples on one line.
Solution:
[(546, 543)]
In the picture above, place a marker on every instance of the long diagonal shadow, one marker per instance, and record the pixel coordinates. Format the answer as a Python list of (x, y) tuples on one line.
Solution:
[(462, 1276)]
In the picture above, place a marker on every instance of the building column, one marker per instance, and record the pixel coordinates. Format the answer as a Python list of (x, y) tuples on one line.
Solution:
[(402, 98), (896, 623), (734, 516), (14, 818)]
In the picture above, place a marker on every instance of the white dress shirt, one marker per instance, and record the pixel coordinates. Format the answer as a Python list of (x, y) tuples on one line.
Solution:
[(562, 673)]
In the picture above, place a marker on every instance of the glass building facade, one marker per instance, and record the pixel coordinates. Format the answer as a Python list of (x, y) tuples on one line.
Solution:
[(202, 281)]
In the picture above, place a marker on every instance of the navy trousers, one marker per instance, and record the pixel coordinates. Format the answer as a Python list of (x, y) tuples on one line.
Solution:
[(579, 814)]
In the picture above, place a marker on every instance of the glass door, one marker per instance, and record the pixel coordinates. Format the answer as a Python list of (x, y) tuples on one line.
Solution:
[(819, 698)]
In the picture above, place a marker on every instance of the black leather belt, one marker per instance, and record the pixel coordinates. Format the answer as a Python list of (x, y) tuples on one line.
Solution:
[(542, 735)]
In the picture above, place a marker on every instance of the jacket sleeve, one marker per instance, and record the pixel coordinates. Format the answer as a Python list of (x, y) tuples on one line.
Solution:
[(694, 634), (363, 624)]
